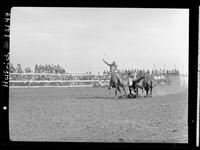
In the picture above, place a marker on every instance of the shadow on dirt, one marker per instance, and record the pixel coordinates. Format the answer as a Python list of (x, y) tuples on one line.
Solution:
[(94, 97), (132, 96)]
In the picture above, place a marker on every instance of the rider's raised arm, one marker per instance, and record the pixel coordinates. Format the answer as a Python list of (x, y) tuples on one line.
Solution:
[(106, 63)]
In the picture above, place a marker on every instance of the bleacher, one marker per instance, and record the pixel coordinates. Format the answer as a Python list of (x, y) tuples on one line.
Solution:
[(46, 75)]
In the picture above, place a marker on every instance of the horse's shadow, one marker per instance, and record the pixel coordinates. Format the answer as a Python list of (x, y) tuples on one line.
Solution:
[(94, 97), (133, 96)]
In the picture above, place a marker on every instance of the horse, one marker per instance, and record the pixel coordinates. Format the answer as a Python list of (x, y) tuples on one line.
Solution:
[(116, 82), (131, 83), (145, 84)]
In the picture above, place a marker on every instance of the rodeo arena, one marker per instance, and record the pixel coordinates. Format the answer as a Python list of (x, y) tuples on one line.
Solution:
[(47, 103)]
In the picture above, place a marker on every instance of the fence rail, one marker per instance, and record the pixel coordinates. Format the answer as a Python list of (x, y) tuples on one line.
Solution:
[(13, 81), (59, 83), (96, 82), (59, 74)]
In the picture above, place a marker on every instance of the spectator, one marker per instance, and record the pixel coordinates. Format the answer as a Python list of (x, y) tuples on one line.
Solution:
[(19, 69), (11, 68), (28, 70), (36, 68)]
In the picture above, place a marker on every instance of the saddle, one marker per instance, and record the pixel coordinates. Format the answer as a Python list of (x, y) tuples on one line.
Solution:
[(115, 79)]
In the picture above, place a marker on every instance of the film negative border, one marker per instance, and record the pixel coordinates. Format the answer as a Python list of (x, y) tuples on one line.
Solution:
[(193, 55), (5, 75)]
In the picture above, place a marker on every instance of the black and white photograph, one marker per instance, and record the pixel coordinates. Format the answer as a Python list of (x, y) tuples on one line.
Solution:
[(99, 74)]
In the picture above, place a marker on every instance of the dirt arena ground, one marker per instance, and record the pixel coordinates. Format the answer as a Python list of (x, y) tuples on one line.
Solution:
[(87, 114)]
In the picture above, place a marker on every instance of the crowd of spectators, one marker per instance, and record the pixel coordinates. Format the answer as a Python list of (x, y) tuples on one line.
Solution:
[(47, 68), (56, 72), (153, 72)]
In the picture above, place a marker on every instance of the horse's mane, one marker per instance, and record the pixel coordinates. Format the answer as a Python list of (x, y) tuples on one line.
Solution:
[(142, 77), (139, 79)]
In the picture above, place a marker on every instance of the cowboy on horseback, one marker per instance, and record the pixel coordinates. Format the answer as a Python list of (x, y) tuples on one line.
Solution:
[(115, 79), (113, 72)]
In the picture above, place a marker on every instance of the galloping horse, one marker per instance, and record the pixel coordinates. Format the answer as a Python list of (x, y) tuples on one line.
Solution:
[(116, 83), (146, 83)]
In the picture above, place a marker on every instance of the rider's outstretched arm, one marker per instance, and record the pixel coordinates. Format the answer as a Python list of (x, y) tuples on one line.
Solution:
[(106, 63)]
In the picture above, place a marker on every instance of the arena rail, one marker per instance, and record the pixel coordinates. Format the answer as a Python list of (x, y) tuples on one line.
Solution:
[(59, 74), (94, 81), (56, 83)]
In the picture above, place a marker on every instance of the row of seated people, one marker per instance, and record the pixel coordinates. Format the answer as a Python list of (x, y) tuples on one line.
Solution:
[(57, 69), (153, 72), (47, 68)]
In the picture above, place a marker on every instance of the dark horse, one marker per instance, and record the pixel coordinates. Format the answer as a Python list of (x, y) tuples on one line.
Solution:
[(116, 83), (143, 82)]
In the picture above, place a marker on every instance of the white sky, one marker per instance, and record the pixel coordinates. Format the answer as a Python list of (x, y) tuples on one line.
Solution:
[(78, 38)]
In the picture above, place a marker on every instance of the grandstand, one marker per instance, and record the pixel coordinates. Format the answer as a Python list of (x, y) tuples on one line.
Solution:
[(46, 79), (42, 76)]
